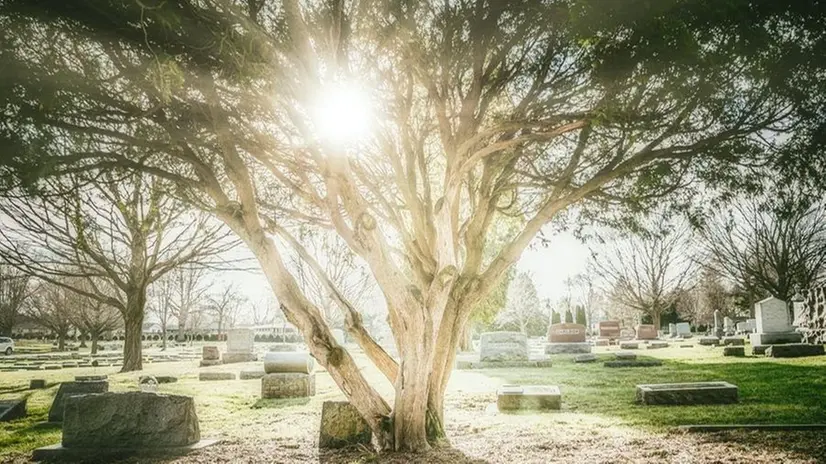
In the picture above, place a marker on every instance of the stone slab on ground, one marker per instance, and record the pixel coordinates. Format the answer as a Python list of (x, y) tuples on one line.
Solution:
[(687, 393), (733, 341), (503, 346), (35, 384), (709, 341), (12, 409), (794, 350), (130, 420), (634, 363), (738, 351), (586, 358), (601, 342), (216, 376), (67, 389), (287, 385), (528, 397), (166, 378), (625, 355), (629, 345), (759, 349), (210, 362), (58, 453), (657, 345), (90, 378), (755, 427), (502, 364), (342, 426), (567, 348), (250, 375)]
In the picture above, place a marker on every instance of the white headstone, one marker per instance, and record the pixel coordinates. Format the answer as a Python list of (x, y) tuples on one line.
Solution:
[(772, 316), (240, 340), (683, 328)]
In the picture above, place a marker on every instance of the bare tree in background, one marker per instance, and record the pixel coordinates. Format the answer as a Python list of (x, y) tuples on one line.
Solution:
[(264, 311), (52, 306), (176, 296), (224, 306), (91, 316), (771, 249), (645, 272), (14, 289), (119, 228)]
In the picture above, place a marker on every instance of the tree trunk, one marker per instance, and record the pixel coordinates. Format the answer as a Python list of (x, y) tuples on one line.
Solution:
[(61, 342), (466, 341), (163, 339), (656, 319), (133, 329), (95, 337), (410, 410), (83, 340)]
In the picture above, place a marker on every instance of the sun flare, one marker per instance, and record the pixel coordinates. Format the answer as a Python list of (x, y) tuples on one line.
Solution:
[(343, 114)]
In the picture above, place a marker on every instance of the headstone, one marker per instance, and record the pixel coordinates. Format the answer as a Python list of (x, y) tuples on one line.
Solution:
[(733, 341), (210, 353), (683, 328), (625, 355), (67, 389), (287, 385), (166, 378), (759, 349), (528, 397), (503, 346), (35, 384), (12, 409), (210, 362), (672, 330), (240, 343), (288, 361), (566, 333), (728, 326), (148, 383), (130, 420), (709, 341), (342, 426), (656, 345), (794, 350), (609, 329), (209, 376), (739, 351), (773, 323), (718, 323), (687, 393), (629, 345), (646, 332), (585, 358)]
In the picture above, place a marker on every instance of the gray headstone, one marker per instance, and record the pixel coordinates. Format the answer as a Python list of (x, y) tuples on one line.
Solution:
[(341, 426), (503, 346), (67, 389)]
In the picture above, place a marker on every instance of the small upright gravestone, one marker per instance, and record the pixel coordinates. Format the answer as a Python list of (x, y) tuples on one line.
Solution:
[(567, 338), (240, 343), (76, 388), (503, 346), (341, 426), (773, 323), (12, 409), (646, 332), (718, 323), (738, 351), (683, 329), (609, 330)]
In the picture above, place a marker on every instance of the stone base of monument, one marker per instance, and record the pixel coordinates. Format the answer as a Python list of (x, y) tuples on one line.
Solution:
[(106, 426), (342, 426), (236, 357), (687, 393), (250, 375), (633, 363), (287, 385), (567, 348), (502, 364), (657, 345), (74, 388), (629, 345), (775, 338), (759, 349), (210, 362), (709, 341), (586, 358), (12, 409), (794, 350), (733, 341), (601, 342), (738, 351), (528, 397), (208, 376)]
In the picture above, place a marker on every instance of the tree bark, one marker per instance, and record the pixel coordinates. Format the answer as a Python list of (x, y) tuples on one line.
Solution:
[(61, 342), (83, 340), (163, 340), (95, 338), (410, 411), (133, 322)]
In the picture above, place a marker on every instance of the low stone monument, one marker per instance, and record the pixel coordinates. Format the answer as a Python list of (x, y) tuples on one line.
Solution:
[(629, 345), (567, 338), (633, 363), (104, 425), (36, 384), (728, 326), (210, 376), (251, 375), (210, 356), (625, 355), (709, 341), (657, 344), (746, 327), (609, 330), (240, 343), (732, 341), (683, 329), (585, 358), (289, 374), (646, 332), (503, 346), (528, 397), (738, 351), (672, 330), (794, 350), (718, 323), (342, 426), (67, 389), (687, 393), (773, 323), (12, 409)]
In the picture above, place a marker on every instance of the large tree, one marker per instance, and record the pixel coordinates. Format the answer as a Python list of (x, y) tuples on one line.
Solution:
[(92, 316), (53, 307), (14, 289), (481, 109), (107, 237)]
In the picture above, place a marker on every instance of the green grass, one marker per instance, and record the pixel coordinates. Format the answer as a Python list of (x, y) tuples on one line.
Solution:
[(771, 391)]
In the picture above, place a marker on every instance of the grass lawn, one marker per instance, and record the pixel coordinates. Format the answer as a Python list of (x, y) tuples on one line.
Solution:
[(599, 421)]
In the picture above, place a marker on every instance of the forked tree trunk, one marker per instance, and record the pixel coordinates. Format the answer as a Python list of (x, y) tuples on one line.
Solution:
[(410, 410), (133, 329)]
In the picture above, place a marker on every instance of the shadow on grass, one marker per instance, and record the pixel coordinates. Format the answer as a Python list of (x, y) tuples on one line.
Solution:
[(810, 444), (264, 403), (440, 455)]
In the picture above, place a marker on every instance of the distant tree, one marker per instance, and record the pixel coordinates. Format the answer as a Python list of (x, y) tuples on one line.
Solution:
[(52, 307), (580, 316), (555, 319), (224, 306), (91, 316), (14, 289), (569, 317), (523, 310)]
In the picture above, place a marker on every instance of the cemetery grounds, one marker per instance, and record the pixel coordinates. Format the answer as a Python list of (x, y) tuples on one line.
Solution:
[(599, 421)]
